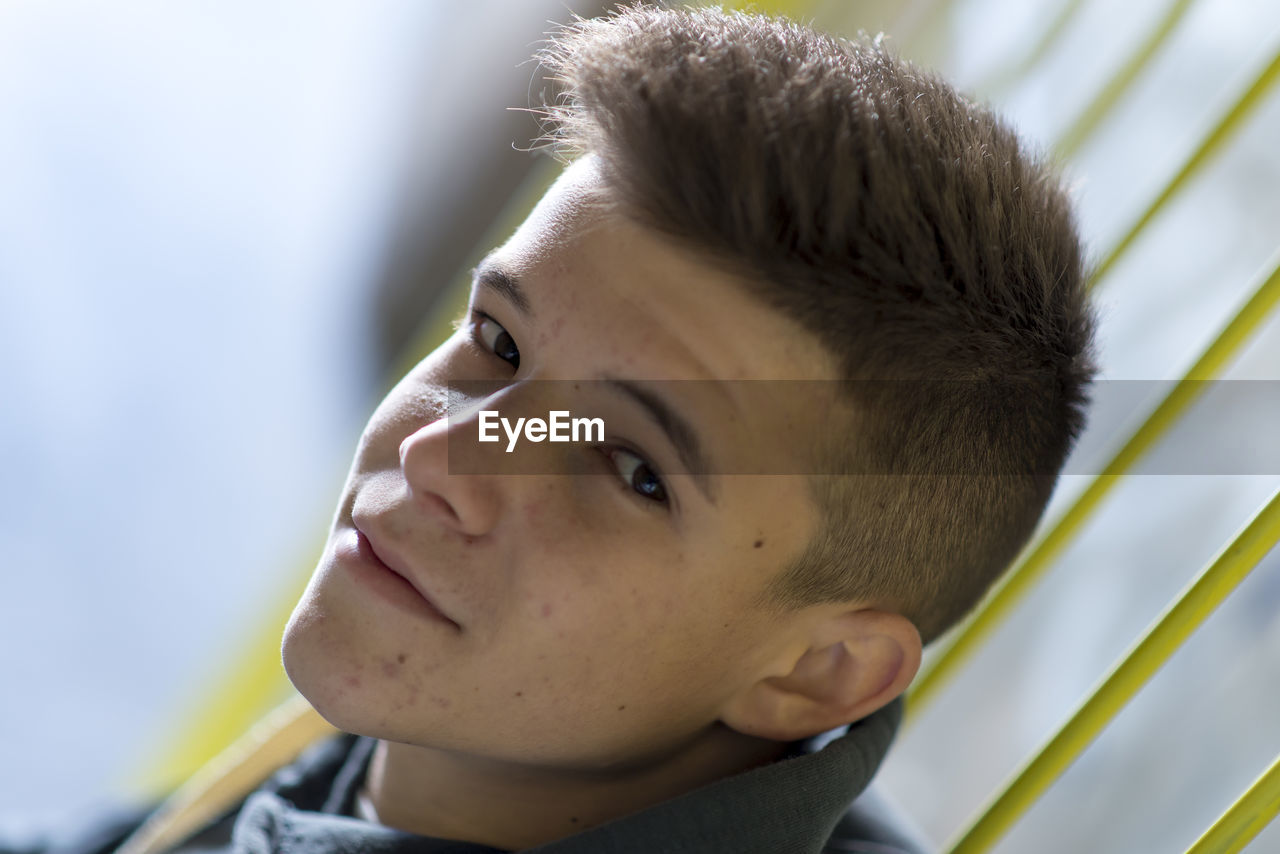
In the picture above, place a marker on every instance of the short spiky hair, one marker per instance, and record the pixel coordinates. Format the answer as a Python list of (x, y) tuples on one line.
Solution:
[(906, 228)]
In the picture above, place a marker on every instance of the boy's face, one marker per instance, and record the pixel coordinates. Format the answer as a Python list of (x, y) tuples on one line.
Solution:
[(589, 622)]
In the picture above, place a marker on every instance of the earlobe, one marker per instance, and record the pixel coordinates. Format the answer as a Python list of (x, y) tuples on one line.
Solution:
[(856, 662)]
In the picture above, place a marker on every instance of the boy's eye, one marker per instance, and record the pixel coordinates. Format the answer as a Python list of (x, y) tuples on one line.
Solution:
[(637, 474), (497, 340)]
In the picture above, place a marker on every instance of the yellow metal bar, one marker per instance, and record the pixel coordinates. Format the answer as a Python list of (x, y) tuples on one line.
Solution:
[(272, 742), (1244, 819), (1106, 99), (1127, 676), (1222, 131), (1019, 580), (252, 682), (1003, 77)]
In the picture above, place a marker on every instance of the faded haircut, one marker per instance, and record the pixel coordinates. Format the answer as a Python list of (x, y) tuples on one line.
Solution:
[(904, 226)]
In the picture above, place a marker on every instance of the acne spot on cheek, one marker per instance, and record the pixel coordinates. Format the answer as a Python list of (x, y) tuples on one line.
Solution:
[(442, 702), (352, 682), (533, 514), (390, 669), (546, 609), (519, 694)]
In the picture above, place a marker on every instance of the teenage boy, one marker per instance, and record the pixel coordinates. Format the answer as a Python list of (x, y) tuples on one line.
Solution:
[(635, 661)]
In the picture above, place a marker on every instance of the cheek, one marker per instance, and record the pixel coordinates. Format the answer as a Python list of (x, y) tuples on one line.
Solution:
[(607, 600), (582, 558), (604, 591)]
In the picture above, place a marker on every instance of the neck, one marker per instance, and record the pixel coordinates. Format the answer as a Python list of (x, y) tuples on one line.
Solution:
[(516, 805)]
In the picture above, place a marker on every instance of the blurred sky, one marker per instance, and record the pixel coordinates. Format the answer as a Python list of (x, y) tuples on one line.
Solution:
[(196, 198)]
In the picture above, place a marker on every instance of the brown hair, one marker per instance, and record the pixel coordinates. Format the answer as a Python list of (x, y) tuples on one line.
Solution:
[(900, 223)]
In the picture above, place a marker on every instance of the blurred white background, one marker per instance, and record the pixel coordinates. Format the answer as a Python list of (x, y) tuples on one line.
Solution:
[(204, 208), (193, 200)]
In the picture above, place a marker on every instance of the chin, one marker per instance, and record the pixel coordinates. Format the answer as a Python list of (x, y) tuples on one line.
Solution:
[(330, 683)]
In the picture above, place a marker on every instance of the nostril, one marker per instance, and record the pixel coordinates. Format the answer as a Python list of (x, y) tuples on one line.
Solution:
[(437, 505)]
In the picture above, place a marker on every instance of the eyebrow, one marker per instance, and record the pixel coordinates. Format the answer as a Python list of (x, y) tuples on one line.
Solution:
[(679, 431), (503, 284)]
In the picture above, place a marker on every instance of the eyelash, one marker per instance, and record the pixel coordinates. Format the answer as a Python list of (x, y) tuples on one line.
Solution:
[(609, 452), (478, 318)]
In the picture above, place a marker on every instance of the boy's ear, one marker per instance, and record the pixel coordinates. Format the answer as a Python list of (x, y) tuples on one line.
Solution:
[(855, 662)]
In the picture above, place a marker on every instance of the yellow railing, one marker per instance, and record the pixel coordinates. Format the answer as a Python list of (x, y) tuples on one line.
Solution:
[(1262, 802), (1245, 818), (1018, 68), (1092, 116), (1221, 132), (1021, 578), (1037, 559), (1130, 673)]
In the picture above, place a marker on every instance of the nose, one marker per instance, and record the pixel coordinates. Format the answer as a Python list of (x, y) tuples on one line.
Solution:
[(466, 482), (467, 503)]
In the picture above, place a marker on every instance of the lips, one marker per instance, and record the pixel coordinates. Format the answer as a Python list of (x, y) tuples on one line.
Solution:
[(379, 554)]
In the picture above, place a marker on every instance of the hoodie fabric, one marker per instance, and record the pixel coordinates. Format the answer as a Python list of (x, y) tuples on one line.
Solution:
[(797, 805)]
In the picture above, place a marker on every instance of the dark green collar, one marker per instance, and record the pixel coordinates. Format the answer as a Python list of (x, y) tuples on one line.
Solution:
[(787, 806)]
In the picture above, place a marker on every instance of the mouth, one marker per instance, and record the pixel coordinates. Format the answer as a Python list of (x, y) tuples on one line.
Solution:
[(385, 575)]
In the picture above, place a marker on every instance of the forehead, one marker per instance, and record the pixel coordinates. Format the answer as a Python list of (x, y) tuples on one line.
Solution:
[(579, 253)]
